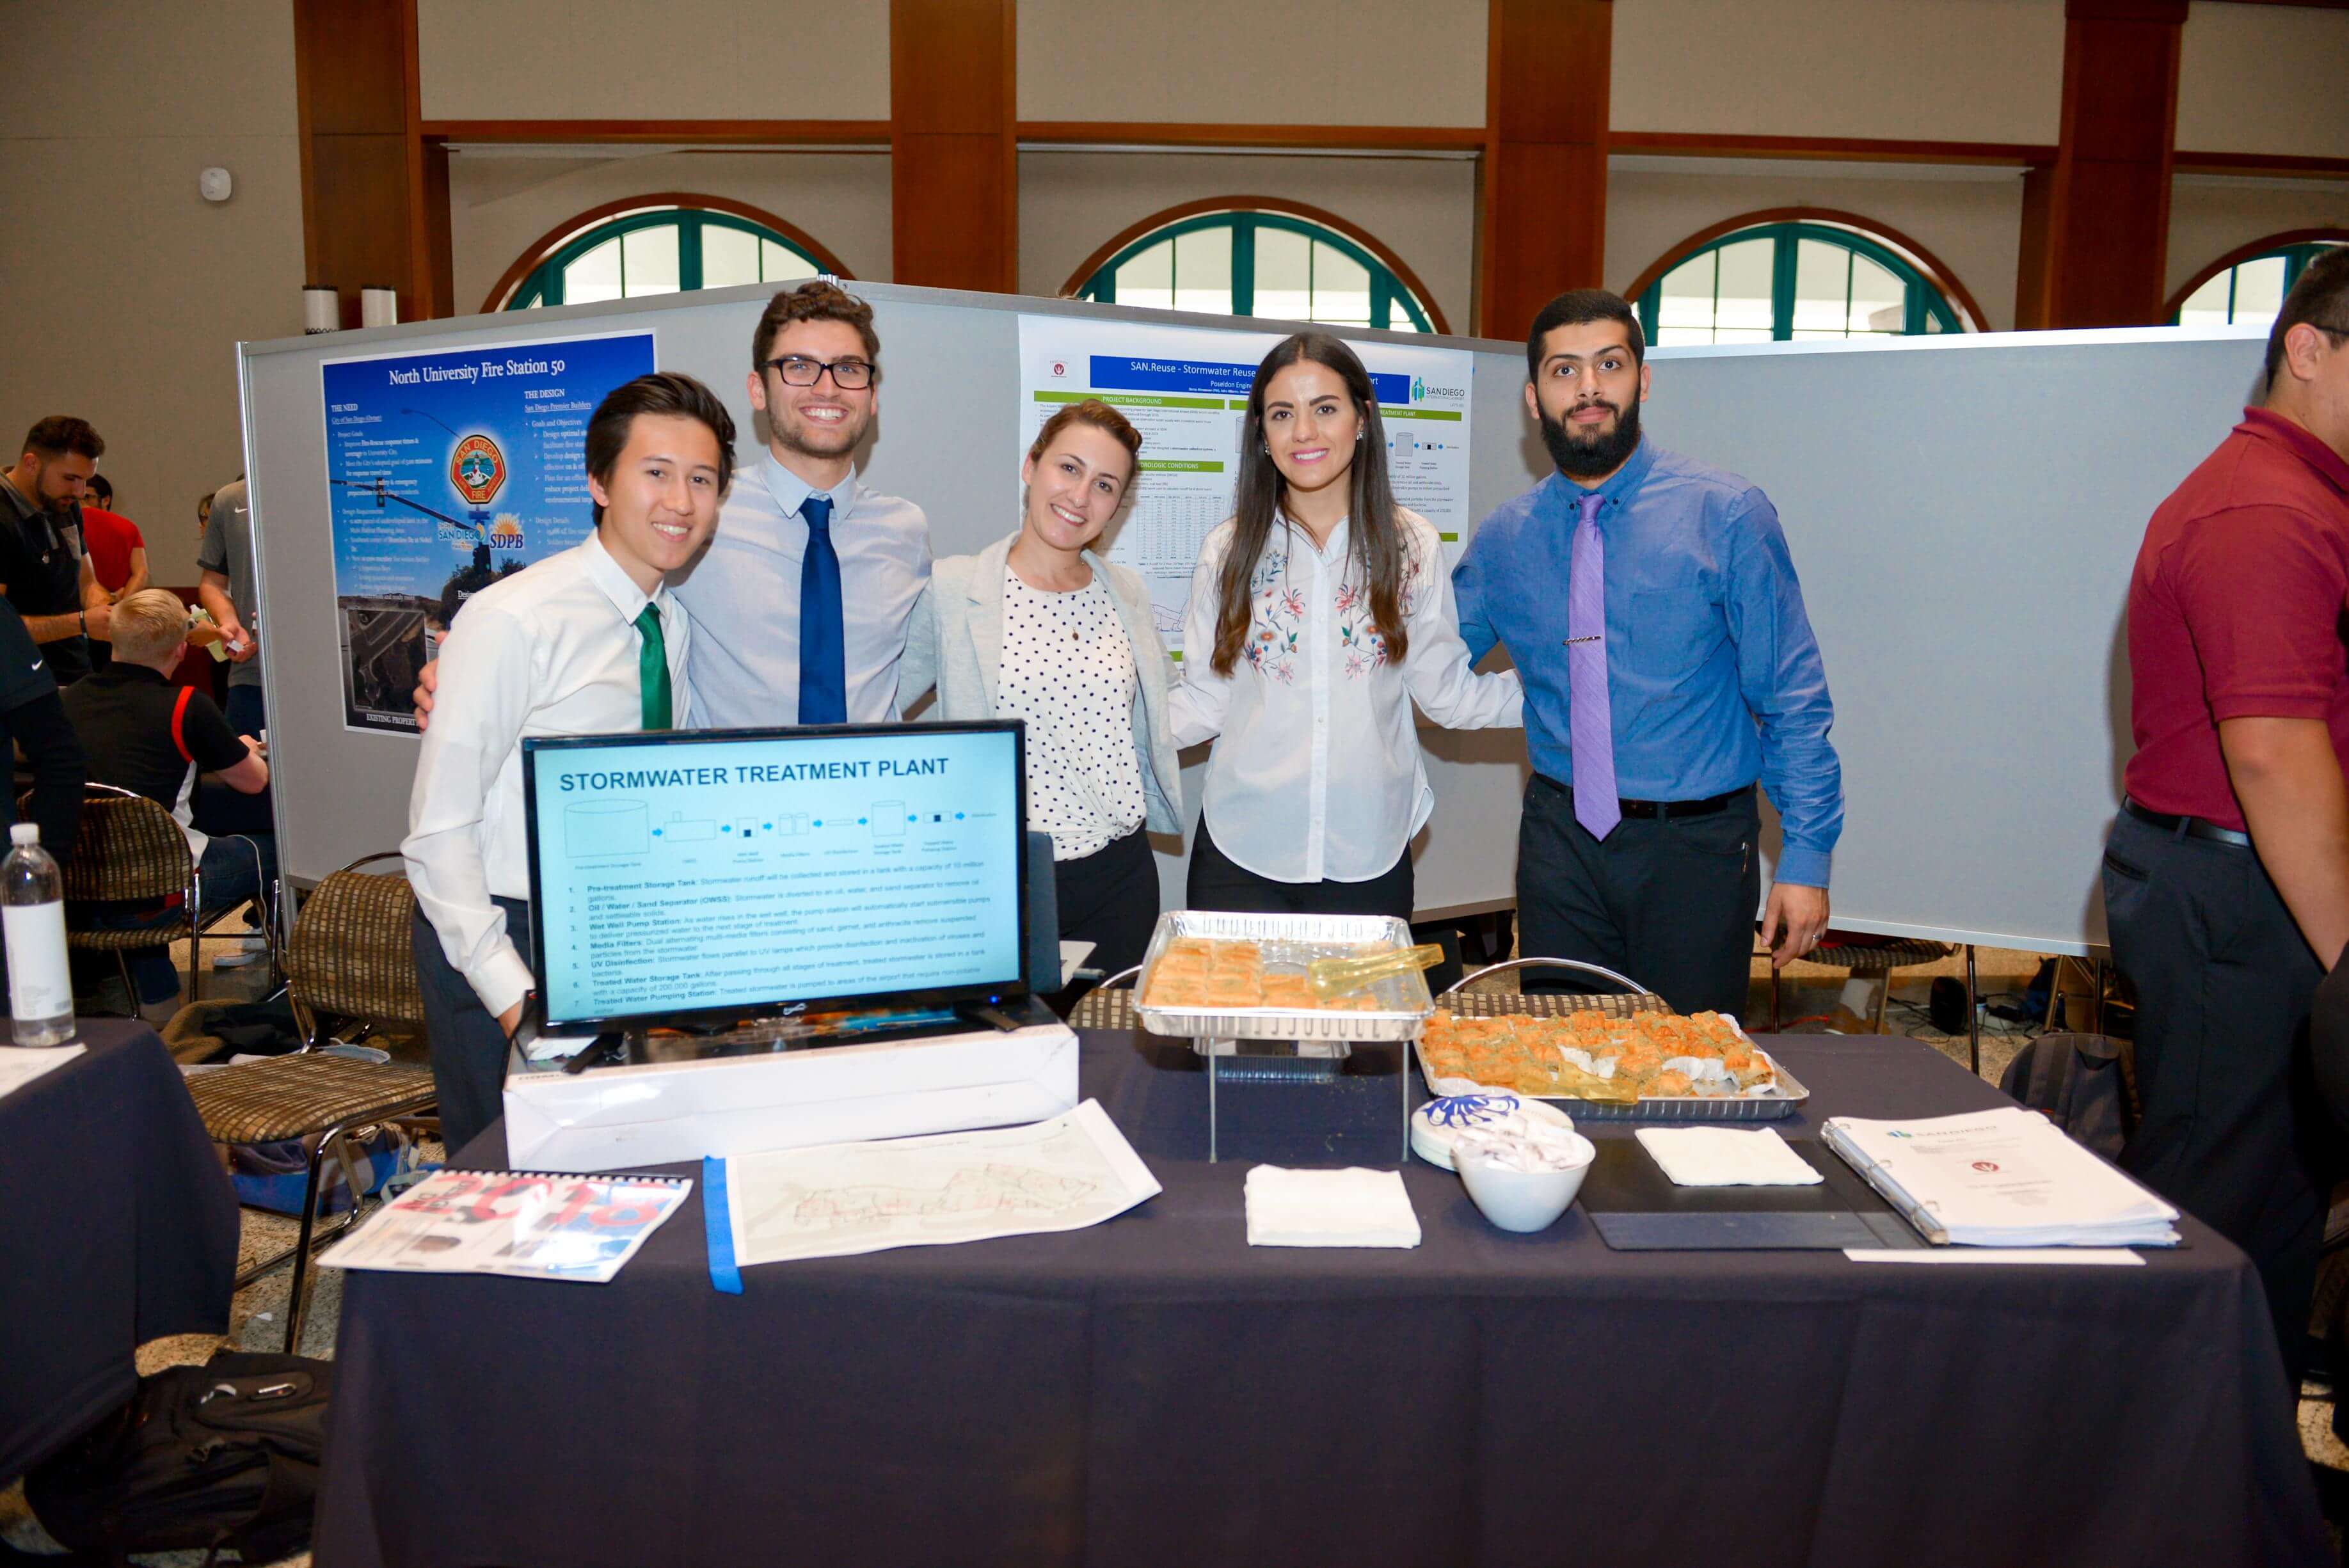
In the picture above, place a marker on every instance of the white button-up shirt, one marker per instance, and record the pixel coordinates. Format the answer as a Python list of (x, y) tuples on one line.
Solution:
[(744, 597), (1318, 772), (553, 650)]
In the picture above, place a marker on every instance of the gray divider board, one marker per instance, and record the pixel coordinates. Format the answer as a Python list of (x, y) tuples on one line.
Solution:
[(1965, 514), (1962, 511)]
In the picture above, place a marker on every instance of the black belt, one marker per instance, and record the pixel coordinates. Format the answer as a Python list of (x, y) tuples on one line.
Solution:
[(1654, 809), (2186, 827)]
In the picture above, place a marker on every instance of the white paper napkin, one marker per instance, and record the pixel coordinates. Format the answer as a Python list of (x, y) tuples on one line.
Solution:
[(20, 1064), (1353, 1208), (1727, 1157)]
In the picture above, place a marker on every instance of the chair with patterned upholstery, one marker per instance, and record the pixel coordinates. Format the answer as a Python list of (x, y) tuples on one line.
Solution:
[(129, 848), (1867, 956), (349, 957)]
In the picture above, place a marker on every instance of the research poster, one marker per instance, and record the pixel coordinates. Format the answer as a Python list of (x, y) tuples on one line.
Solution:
[(1186, 389), (446, 472), (727, 872)]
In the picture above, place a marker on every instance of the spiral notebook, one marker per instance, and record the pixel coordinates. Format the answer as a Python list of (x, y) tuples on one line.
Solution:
[(527, 1224)]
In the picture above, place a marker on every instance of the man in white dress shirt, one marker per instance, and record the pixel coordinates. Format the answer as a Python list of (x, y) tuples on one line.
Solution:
[(800, 606), (588, 642)]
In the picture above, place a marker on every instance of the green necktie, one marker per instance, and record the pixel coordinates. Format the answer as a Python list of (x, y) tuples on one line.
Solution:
[(652, 669)]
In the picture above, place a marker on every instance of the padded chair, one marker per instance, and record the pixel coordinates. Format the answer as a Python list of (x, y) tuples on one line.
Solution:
[(349, 956), (1472, 998), (1867, 958), (128, 848)]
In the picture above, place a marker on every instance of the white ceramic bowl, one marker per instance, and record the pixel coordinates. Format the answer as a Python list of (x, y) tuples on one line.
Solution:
[(1523, 1200)]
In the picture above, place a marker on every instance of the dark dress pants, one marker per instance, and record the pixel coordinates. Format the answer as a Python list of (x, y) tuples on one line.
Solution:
[(2231, 1131), (1109, 898), (469, 1050), (1668, 901), (1217, 882)]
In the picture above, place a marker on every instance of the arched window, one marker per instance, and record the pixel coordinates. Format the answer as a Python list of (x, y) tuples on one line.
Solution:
[(2246, 286), (1248, 255), (666, 243), (1797, 275)]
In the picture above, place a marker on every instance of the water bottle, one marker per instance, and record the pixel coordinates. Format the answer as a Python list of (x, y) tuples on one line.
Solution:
[(33, 919)]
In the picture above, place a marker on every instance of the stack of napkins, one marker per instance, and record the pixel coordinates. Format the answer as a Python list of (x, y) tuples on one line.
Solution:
[(1352, 1207), (1727, 1157), (2001, 1179)]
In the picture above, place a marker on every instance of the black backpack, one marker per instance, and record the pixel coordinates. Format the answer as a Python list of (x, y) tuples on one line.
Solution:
[(224, 1454), (2084, 1084)]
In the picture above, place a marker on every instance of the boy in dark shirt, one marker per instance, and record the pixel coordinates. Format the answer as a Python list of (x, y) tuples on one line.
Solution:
[(148, 735)]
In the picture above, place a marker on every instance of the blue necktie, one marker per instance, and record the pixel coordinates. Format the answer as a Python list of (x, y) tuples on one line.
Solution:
[(824, 661)]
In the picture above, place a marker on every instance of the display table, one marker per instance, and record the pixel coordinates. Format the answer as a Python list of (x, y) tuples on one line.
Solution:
[(118, 1225), (1154, 1391)]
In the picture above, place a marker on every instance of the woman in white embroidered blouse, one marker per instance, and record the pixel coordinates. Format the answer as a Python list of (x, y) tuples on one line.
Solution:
[(1320, 612), (1037, 627)]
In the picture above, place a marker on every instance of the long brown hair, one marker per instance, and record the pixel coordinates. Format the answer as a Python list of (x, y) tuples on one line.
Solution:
[(1374, 541)]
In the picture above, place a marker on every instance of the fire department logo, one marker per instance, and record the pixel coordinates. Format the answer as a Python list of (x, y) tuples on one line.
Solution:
[(477, 470)]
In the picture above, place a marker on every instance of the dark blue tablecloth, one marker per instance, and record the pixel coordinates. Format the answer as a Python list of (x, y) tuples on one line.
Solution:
[(118, 1225), (1155, 1391)]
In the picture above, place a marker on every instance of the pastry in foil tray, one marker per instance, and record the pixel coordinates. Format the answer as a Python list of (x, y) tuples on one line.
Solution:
[(1590, 1056)]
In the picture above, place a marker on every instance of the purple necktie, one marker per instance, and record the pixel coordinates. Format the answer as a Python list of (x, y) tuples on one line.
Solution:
[(1590, 715)]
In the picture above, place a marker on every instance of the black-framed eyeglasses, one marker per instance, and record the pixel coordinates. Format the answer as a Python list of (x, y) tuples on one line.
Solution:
[(848, 374)]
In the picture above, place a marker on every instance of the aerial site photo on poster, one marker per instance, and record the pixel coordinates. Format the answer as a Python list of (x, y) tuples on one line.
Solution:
[(1186, 388), (726, 870), (447, 471)]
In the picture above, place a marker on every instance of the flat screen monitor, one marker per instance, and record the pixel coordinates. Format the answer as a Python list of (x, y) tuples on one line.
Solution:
[(714, 876)]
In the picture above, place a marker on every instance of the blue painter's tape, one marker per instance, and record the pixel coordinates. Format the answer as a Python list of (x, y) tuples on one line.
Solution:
[(718, 1220)]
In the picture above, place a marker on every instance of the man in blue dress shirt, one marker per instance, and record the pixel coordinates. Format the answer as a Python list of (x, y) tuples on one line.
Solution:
[(801, 604), (1651, 604)]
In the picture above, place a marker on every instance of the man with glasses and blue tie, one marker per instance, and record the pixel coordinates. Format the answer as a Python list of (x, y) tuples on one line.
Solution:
[(1672, 669), (800, 607)]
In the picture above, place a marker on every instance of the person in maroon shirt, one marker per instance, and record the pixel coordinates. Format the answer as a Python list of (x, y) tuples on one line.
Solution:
[(2226, 876)]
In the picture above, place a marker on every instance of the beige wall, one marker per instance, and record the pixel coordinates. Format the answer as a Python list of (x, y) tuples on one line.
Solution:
[(2264, 78), (1365, 62), (127, 291), (654, 59), (1938, 70), (502, 201), (2210, 217), (1970, 220), (1423, 210)]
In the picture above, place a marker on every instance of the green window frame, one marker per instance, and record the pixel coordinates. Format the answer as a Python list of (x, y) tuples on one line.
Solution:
[(1393, 307), (1924, 309), (545, 285), (2295, 258)]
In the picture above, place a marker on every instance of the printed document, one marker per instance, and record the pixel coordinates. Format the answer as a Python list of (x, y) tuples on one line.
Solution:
[(2001, 1178), (1063, 1174), (580, 1228)]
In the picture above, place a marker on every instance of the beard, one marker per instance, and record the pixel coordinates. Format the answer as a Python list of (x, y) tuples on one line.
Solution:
[(811, 440), (1594, 456)]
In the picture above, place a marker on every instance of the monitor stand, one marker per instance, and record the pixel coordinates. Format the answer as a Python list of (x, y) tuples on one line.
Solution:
[(984, 1015)]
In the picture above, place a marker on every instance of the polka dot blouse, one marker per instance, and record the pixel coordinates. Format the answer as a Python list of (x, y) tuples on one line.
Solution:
[(1069, 671)]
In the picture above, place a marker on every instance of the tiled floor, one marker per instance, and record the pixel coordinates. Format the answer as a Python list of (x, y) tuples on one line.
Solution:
[(1809, 993)]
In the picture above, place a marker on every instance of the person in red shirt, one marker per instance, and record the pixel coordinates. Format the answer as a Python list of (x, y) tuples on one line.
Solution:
[(118, 551), (2226, 876)]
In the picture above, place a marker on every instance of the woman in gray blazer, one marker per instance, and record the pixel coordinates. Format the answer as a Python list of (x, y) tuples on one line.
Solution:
[(1037, 627)]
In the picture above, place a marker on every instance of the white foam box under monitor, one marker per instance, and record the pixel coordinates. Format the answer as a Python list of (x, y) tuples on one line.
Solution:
[(664, 1113)]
